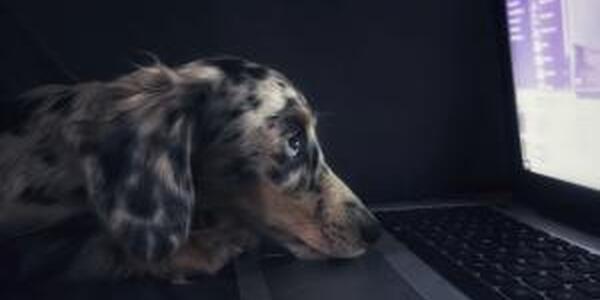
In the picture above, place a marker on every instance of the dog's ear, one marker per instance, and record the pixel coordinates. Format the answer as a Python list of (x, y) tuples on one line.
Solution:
[(138, 167)]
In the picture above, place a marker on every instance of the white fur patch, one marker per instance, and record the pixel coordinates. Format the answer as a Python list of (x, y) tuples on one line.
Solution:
[(293, 178), (273, 100), (197, 71)]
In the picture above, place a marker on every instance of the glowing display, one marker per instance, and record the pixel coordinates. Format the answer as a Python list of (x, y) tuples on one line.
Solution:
[(555, 50)]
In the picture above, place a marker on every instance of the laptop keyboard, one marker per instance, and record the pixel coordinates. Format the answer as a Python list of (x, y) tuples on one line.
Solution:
[(489, 255)]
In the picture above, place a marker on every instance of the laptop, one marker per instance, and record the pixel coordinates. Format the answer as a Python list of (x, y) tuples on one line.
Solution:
[(540, 240)]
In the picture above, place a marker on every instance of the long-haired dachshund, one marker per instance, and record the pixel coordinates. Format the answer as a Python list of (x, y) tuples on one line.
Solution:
[(175, 170)]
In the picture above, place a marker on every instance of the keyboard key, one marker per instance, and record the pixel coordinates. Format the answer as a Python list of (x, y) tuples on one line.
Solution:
[(592, 258), (496, 257), (525, 252), (498, 279), (477, 265), (519, 270), (542, 282), (568, 276), (545, 263), (591, 289), (566, 294), (584, 267), (519, 292), (540, 244), (561, 255), (460, 254)]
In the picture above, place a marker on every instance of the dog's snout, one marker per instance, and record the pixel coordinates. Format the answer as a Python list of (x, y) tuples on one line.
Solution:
[(368, 226)]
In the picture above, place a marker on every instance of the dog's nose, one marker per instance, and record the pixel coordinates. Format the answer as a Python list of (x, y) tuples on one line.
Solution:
[(368, 226), (370, 232)]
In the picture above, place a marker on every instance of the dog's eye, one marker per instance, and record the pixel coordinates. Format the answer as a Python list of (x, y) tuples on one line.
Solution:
[(295, 144)]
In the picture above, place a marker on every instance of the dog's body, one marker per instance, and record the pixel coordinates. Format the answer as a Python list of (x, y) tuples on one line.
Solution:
[(153, 156)]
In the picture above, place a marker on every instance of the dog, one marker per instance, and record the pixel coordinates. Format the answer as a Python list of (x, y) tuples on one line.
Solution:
[(173, 171)]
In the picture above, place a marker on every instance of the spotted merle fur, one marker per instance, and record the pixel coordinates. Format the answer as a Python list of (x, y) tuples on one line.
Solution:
[(149, 153), (139, 203), (38, 195), (239, 170), (238, 70), (115, 157), (78, 192), (231, 137), (47, 156), (177, 155), (62, 105), (253, 101)]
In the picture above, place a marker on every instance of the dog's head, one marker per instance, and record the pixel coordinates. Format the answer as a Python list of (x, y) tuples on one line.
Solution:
[(264, 159), (224, 133)]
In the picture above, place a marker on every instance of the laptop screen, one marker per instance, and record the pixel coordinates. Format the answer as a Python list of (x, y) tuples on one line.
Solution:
[(555, 50)]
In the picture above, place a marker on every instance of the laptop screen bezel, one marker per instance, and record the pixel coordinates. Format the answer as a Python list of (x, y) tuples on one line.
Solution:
[(567, 202)]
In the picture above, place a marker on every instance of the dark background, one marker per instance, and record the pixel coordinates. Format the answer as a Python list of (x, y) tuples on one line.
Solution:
[(410, 92)]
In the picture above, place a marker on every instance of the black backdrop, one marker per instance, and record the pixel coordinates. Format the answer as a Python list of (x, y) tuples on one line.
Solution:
[(410, 92)]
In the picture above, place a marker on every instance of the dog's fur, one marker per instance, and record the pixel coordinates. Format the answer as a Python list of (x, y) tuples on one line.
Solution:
[(180, 170)]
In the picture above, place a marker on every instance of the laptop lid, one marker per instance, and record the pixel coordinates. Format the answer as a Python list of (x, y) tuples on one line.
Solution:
[(553, 74)]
